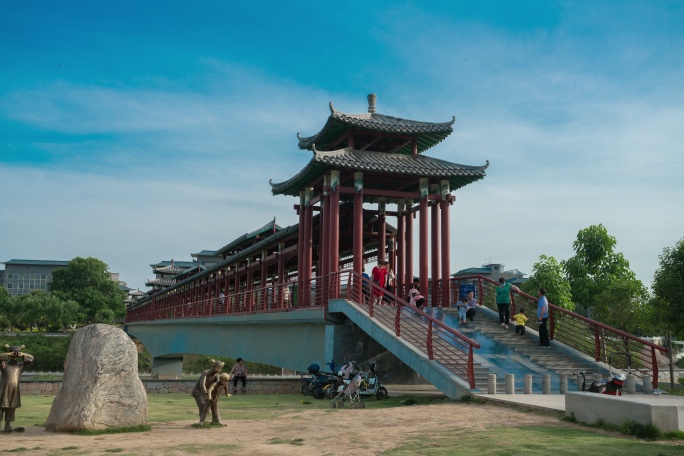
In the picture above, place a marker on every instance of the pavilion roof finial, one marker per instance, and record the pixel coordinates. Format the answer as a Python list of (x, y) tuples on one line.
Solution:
[(372, 98)]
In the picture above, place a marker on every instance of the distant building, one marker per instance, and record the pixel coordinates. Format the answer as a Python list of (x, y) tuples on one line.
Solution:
[(167, 273), (24, 276), (493, 271)]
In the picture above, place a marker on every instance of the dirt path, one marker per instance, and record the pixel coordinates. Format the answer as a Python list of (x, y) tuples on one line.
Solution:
[(314, 432)]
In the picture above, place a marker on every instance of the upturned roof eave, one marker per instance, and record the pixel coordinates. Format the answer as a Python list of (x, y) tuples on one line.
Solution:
[(321, 162), (428, 134)]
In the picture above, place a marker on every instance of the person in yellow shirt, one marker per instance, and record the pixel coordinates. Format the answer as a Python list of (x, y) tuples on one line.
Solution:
[(520, 320)]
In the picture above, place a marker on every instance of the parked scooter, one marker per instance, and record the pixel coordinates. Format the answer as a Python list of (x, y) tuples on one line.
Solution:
[(369, 386), (611, 385), (315, 383)]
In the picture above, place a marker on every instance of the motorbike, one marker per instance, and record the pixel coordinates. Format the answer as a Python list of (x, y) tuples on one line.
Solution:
[(611, 385), (369, 385), (315, 382)]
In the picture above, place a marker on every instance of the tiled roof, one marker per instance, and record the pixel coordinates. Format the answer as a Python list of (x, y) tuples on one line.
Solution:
[(472, 271), (181, 264), (170, 269), (37, 262), (271, 227), (427, 133), (390, 164), (163, 282)]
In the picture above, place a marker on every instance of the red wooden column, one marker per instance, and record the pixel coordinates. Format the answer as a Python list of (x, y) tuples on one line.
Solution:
[(308, 245), (324, 247), (446, 260), (423, 236), (300, 247), (249, 295), (263, 294), (382, 231), (358, 224), (409, 245), (401, 251), (281, 275), (334, 231), (435, 254)]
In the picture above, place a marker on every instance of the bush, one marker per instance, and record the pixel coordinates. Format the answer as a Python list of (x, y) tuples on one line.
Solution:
[(199, 363), (49, 352)]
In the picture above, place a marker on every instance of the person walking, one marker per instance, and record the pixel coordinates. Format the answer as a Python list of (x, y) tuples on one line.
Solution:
[(542, 318), (503, 301)]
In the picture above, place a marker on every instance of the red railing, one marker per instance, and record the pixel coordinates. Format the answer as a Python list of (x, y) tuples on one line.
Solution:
[(274, 298), (440, 342), (588, 336)]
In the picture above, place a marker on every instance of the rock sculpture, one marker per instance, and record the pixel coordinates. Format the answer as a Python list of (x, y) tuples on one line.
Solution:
[(101, 388)]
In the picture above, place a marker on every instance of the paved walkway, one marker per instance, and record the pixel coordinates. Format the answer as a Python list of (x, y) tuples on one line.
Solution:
[(541, 401)]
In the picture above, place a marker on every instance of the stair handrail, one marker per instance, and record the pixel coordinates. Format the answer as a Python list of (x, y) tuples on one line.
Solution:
[(354, 291), (558, 313)]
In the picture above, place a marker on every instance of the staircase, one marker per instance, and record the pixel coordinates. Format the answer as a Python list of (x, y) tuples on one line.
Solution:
[(503, 351)]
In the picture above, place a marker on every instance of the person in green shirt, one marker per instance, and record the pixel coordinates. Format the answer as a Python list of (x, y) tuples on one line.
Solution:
[(503, 301)]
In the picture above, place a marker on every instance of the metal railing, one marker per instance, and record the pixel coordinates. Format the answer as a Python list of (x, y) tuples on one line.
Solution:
[(440, 342), (588, 336)]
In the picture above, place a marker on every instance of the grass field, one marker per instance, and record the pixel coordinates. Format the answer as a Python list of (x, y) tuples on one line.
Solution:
[(557, 438)]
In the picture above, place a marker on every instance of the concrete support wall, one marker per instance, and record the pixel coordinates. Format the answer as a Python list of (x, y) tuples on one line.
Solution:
[(172, 366)]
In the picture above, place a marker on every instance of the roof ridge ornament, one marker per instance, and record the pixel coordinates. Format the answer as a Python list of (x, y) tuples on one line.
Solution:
[(332, 109), (372, 99)]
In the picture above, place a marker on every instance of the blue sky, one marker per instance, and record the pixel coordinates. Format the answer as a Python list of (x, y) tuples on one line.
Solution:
[(142, 131)]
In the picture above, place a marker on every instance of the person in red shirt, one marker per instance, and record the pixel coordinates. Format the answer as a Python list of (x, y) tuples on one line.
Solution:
[(379, 275)]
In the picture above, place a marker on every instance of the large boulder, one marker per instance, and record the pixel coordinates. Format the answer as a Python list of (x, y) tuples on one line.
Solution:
[(101, 388)]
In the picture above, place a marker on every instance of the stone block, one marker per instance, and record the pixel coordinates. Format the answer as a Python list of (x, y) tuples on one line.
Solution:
[(666, 413)]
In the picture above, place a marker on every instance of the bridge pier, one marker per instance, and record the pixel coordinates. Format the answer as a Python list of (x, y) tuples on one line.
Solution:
[(168, 366)]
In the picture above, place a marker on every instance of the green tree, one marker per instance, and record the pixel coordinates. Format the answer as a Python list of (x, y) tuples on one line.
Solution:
[(4, 306), (668, 290), (623, 305), (87, 282), (548, 273), (41, 309), (594, 267)]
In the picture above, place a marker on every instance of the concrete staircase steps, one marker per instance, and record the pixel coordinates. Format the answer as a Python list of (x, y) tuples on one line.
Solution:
[(526, 346)]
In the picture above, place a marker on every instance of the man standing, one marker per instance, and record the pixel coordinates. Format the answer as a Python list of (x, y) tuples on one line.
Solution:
[(10, 397), (542, 318)]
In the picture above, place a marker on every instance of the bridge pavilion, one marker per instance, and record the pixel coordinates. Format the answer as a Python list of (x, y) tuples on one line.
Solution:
[(363, 165)]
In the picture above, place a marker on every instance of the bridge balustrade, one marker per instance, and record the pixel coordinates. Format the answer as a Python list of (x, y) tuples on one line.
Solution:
[(588, 336), (440, 342)]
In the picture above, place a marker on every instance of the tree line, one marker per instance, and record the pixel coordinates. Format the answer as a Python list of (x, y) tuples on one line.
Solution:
[(597, 282), (80, 293)]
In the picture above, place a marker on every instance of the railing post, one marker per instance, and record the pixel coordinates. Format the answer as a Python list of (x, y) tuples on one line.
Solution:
[(431, 355), (597, 344), (552, 324), (471, 372), (654, 366), (397, 321)]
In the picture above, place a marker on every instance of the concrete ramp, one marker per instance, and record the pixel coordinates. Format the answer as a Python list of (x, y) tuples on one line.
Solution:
[(407, 351)]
